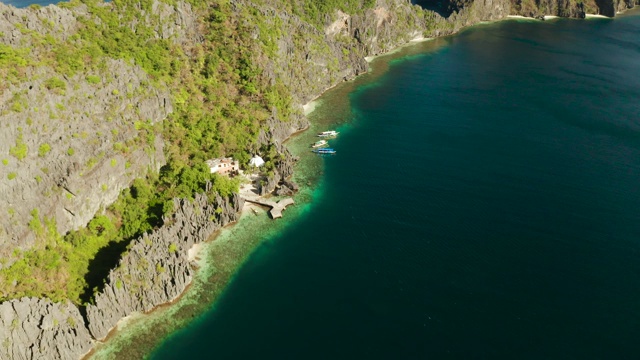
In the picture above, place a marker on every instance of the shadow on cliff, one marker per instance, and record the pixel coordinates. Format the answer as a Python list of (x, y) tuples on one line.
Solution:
[(109, 256), (441, 7), (106, 259)]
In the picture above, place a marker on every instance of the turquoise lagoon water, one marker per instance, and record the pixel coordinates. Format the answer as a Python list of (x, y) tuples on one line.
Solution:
[(484, 203)]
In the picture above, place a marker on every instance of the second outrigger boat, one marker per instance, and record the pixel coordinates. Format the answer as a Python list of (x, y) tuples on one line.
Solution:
[(330, 133), (324, 151), (321, 143)]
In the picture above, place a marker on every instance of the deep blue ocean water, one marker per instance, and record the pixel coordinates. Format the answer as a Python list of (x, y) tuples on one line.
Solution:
[(484, 203)]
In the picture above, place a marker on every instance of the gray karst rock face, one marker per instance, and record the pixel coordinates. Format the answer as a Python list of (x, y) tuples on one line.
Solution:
[(69, 143), (156, 269), (80, 147), (39, 329), (64, 20), (311, 60), (83, 136)]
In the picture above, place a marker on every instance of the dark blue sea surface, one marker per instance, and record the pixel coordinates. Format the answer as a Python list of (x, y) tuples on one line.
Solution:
[(484, 203)]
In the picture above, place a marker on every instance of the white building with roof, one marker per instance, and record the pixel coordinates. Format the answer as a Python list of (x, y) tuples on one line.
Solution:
[(223, 166)]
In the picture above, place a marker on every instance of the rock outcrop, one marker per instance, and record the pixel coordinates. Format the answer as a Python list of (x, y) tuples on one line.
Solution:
[(283, 170), (60, 23), (156, 269), (310, 59), (81, 148), (70, 142), (469, 11), (276, 131), (181, 22), (39, 329), (612, 7)]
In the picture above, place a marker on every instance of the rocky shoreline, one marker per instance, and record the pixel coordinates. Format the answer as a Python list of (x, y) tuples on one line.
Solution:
[(40, 329), (157, 269)]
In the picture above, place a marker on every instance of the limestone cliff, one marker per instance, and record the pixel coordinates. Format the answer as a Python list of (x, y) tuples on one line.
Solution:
[(69, 142), (496, 9), (156, 269), (310, 60), (40, 329)]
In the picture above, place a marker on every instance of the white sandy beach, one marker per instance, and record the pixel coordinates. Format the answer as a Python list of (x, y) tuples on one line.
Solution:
[(415, 40), (520, 17), (309, 107), (192, 254), (419, 39), (595, 16)]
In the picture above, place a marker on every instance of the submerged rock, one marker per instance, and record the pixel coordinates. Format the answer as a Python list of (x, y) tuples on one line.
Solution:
[(283, 190)]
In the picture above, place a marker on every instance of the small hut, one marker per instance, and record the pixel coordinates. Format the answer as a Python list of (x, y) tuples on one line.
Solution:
[(256, 161)]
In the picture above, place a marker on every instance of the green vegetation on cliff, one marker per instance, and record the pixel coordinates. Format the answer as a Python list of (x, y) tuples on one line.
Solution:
[(220, 101), (221, 71), (318, 12)]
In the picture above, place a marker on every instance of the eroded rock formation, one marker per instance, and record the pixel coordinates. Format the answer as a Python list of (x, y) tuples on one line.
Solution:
[(39, 329), (156, 269), (69, 143)]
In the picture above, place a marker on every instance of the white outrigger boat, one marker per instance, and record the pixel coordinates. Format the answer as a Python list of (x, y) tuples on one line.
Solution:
[(330, 133), (321, 143), (324, 151)]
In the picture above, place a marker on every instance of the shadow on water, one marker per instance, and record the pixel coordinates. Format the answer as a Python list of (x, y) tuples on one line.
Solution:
[(441, 7)]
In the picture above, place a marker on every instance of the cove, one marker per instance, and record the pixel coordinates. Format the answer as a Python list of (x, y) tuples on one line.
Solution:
[(483, 203)]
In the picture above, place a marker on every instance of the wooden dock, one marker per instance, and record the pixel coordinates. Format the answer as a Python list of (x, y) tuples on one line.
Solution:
[(276, 207)]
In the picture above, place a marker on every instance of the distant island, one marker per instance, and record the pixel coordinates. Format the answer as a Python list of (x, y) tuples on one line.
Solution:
[(111, 111)]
